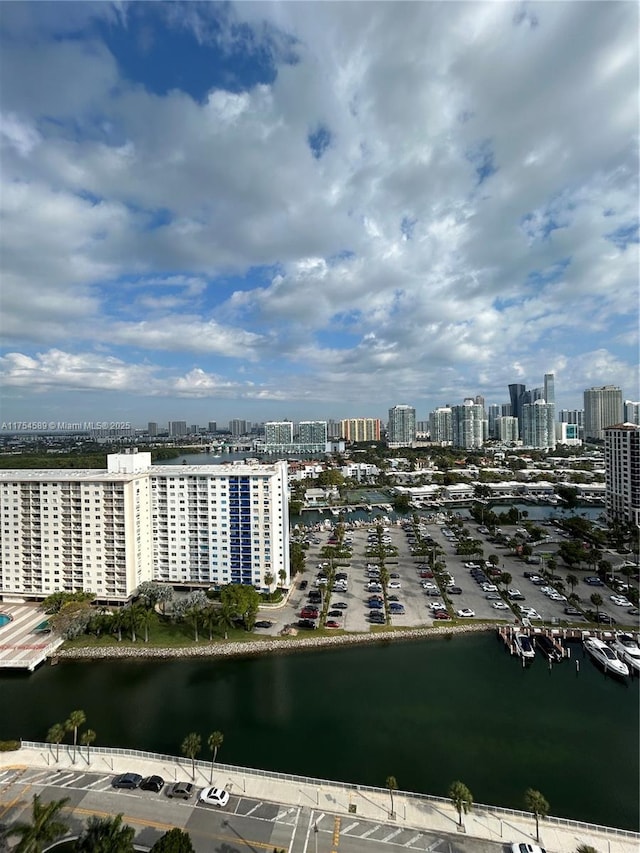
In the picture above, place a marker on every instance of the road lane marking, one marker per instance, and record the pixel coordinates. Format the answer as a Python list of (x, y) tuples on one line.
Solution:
[(393, 834), (413, 840), (369, 831), (251, 811), (350, 827)]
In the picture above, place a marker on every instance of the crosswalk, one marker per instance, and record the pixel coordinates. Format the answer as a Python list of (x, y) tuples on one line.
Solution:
[(383, 833)]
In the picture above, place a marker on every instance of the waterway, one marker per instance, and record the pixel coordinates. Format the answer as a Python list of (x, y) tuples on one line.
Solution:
[(427, 712)]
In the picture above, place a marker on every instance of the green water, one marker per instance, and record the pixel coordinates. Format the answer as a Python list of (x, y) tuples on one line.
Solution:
[(427, 712)]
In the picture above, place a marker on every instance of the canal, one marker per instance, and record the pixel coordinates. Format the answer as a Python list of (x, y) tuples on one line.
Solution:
[(427, 712)]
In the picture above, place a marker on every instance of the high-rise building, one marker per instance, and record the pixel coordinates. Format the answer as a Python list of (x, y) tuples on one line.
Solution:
[(334, 429), (360, 429), (212, 428), (538, 427), (312, 432), (441, 426), (468, 424), (152, 429), (622, 472), (177, 428), (549, 389), (238, 427), (493, 413), (631, 412), (505, 410), (516, 394), (401, 429), (109, 530), (278, 432), (602, 408), (572, 416), (507, 429)]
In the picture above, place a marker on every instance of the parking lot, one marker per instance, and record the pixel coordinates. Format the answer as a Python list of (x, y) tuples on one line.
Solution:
[(350, 608)]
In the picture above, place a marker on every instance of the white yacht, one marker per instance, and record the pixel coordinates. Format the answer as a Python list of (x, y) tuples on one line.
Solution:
[(524, 646), (605, 656), (628, 651)]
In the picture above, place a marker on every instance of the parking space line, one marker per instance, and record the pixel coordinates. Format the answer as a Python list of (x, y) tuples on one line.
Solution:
[(95, 782), (251, 811), (413, 840), (369, 831), (393, 834), (350, 827)]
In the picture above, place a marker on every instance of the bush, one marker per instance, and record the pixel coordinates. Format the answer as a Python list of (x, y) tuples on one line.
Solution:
[(9, 745)]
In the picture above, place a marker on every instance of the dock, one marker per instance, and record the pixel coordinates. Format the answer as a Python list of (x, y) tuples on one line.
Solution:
[(22, 645)]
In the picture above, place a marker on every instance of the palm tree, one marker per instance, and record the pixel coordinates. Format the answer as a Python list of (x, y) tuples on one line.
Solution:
[(43, 828), (282, 576), (573, 581), (210, 619), (174, 841), (269, 578), (76, 719), (214, 742), (117, 621), (585, 848), (133, 616), (596, 600), (461, 798), (56, 735), (191, 746), (106, 835), (87, 739), (226, 616), (392, 786), (535, 802)]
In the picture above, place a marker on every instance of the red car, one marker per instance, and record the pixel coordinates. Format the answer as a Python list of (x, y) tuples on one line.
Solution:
[(332, 624), (426, 574), (308, 613), (441, 614)]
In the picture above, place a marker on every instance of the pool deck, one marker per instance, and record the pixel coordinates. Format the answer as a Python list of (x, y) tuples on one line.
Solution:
[(20, 646)]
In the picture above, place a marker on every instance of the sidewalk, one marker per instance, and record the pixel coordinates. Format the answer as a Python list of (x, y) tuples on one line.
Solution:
[(431, 814)]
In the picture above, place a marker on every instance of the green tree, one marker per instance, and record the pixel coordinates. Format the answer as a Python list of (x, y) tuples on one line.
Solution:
[(535, 802), (56, 735), (269, 578), (214, 742), (43, 828), (174, 841), (76, 719), (191, 746), (596, 600), (225, 618), (106, 835), (282, 576), (461, 798), (573, 581), (86, 739), (505, 578), (585, 848), (391, 786)]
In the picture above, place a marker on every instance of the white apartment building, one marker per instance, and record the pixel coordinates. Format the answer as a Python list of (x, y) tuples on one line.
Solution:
[(622, 472), (401, 428), (602, 408), (107, 531), (278, 432), (538, 428), (468, 424)]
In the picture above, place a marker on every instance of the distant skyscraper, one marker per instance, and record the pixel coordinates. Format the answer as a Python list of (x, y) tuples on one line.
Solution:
[(312, 432), (278, 432), (631, 412), (360, 429), (177, 428), (602, 408), (441, 426), (493, 413), (401, 429), (507, 429), (622, 472), (550, 388), (468, 425), (572, 416), (517, 394), (538, 428), (334, 429), (238, 427), (505, 410), (152, 429), (213, 427)]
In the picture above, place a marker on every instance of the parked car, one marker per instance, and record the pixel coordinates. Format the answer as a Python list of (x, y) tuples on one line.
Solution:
[(263, 623), (454, 590), (466, 613), (152, 783), (394, 585), (572, 611), (332, 624), (376, 605), (304, 584), (394, 607), (500, 605), (214, 796), (436, 605), (307, 624), (309, 613), (334, 614), (181, 790), (441, 614), (593, 580), (126, 780), (526, 848), (341, 605)]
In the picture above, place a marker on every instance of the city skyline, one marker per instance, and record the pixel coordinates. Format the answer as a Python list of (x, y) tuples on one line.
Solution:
[(261, 211)]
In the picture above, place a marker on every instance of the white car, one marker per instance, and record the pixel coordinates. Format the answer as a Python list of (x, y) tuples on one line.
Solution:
[(394, 585), (527, 848), (436, 605), (557, 596), (620, 601), (214, 796), (530, 613), (466, 613), (500, 605), (489, 587), (429, 585)]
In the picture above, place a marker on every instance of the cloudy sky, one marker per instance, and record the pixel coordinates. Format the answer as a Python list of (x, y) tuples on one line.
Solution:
[(269, 210)]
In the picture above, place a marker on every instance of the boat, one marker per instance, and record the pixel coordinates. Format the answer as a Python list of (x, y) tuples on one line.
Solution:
[(548, 648), (524, 647), (604, 655), (628, 651)]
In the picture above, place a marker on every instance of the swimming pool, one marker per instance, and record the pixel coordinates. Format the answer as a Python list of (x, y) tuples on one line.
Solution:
[(4, 619)]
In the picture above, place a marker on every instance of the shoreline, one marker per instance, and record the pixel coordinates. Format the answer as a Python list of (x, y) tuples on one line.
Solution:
[(222, 649)]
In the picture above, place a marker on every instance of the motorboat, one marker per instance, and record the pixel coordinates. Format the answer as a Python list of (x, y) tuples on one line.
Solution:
[(605, 656), (548, 648), (628, 651), (524, 646)]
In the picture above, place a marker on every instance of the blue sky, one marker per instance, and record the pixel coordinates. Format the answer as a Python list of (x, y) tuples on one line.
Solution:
[(270, 210)]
